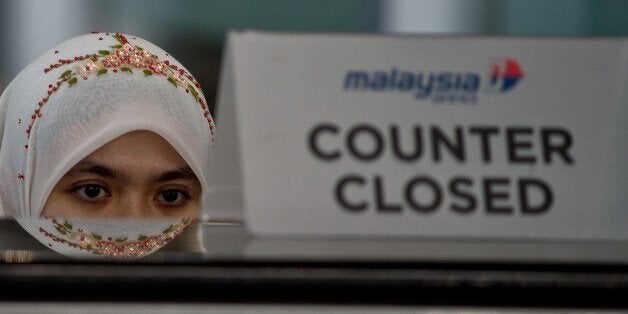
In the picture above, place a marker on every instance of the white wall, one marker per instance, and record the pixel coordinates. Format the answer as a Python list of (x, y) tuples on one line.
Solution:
[(38, 25), (432, 16)]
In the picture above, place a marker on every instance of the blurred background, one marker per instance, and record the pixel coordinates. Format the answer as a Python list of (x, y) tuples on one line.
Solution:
[(194, 30)]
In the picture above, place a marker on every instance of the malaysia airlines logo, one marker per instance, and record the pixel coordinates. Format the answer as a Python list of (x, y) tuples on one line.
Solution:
[(439, 87), (505, 75)]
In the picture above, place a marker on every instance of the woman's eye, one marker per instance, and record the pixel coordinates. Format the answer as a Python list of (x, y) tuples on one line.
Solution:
[(171, 197), (92, 192)]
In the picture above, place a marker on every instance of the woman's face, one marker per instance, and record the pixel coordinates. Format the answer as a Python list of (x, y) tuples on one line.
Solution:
[(137, 175)]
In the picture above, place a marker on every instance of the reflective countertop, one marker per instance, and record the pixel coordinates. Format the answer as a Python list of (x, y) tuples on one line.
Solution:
[(220, 241), (223, 262)]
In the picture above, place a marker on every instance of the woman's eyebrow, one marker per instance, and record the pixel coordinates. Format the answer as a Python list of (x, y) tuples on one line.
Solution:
[(87, 166), (91, 167), (184, 173)]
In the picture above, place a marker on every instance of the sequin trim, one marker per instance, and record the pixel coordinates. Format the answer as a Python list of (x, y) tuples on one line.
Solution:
[(119, 248), (123, 57)]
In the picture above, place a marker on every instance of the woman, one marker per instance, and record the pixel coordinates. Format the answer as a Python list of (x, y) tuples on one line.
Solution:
[(110, 126)]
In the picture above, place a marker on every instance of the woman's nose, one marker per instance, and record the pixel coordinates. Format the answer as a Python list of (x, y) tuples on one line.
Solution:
[(135, 204)]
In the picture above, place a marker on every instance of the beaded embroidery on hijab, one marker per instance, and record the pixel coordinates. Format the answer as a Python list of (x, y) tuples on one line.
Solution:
[(72, 100)]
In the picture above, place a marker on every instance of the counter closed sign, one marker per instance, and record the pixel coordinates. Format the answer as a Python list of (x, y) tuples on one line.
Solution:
[(486, 137)]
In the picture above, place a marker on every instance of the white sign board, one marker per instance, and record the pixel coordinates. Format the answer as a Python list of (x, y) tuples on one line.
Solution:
[(472, 137)]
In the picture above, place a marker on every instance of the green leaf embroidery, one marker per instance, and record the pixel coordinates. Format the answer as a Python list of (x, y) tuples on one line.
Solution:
[(101, 72), (126, 69), (148, 72), (103, 52), (120, 240), (142, 238), (61, 230), (168, 229), (94, 58), (193, 91), (72, 81), (116, 46), (97, 237), (171, 80), (66, 73), (67, 225), (139, 48)]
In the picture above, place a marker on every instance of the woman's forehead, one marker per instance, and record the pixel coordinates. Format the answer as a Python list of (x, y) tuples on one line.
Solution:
[(138, 155)]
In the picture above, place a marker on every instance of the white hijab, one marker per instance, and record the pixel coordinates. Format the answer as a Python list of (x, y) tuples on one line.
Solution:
[(79, 96)]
